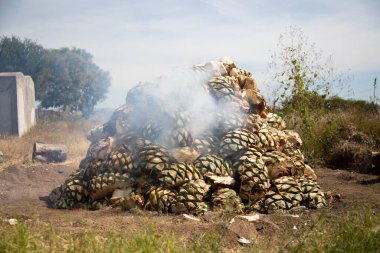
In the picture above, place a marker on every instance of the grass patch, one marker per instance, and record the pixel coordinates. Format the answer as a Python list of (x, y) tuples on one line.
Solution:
[(207, 242), (357, 232), (24, 238), (27, 238)]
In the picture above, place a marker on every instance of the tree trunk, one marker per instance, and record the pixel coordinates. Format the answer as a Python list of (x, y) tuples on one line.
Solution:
[(49, 152)]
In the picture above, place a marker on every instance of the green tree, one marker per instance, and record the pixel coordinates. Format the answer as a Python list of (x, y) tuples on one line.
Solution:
[(25, 56), (72, 81), (65, 78)]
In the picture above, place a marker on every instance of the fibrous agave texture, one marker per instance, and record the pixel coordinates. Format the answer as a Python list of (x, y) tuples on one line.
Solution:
[(197, 140)]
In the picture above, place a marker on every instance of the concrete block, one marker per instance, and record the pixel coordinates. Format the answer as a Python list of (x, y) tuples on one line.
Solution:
[(17, 104), (43, 152)]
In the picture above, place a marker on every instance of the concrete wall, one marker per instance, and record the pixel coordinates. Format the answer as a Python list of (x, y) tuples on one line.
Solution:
[(17, 104)]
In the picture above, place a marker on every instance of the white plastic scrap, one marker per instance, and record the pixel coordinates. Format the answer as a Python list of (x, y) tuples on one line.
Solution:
[(12, 222), (189, 217), (243, 240), (250, 218)]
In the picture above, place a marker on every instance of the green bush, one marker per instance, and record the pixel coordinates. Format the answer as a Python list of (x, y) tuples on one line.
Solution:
[(327, 121)]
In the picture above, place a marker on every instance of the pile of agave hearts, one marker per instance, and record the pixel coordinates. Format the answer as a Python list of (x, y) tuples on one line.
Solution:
[(156, 153)]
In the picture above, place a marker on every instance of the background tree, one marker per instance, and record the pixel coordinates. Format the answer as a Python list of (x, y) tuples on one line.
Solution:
[(72, 80), (25, 56), (64, 78)]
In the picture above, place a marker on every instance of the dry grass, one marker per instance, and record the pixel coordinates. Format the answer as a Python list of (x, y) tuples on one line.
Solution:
[(70, 132), (325, 131)]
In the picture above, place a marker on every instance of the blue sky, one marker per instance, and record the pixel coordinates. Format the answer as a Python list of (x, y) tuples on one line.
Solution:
[(140, 40)]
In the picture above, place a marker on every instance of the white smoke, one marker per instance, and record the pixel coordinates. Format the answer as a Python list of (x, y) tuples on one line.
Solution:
[(185, 91)]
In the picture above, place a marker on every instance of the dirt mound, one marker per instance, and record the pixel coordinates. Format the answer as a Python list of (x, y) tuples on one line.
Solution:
[(354, 151), (18, 183), (351, 155)]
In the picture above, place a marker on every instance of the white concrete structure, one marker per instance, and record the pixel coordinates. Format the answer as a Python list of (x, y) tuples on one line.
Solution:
[(17, 104)]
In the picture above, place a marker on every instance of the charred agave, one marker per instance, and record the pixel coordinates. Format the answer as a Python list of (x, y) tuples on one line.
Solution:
[(161, 152)]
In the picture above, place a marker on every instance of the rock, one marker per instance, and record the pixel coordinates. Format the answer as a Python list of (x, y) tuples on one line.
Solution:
[(49, 152), (1, 157)]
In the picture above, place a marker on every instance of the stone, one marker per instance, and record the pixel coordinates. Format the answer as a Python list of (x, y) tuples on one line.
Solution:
[(17, 103), (49, 152)]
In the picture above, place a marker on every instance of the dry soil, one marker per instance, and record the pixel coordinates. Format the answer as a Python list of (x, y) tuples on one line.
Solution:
[(24, 192)]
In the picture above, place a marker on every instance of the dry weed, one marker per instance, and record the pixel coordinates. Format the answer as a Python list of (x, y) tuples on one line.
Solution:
[(72, 133)]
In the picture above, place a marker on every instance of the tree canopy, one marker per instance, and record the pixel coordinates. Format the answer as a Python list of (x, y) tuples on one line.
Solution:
[(18, 55), (65, 78)]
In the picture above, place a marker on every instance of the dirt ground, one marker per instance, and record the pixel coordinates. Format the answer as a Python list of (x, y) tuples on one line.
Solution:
[(24, 191)]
